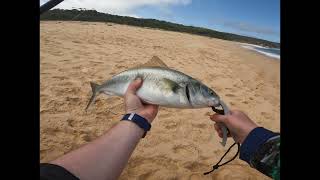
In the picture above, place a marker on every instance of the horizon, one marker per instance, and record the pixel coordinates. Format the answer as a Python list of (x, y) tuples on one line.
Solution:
[(236, 18)]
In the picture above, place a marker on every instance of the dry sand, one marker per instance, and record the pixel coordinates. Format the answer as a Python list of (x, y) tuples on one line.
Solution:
[(182, 143)]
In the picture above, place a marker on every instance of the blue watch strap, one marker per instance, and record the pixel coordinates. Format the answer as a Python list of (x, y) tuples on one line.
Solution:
[(139, 120)]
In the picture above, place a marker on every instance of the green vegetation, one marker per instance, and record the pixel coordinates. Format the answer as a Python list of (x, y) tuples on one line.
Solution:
[(94, 16)]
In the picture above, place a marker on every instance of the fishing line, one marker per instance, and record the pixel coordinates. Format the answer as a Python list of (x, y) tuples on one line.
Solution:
[(217, 165)]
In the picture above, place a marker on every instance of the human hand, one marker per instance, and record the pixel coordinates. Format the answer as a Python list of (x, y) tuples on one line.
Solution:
[(238, 123), (133, 104)]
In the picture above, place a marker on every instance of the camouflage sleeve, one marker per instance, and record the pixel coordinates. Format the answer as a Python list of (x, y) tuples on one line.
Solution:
[(261, 149), (267, 158)]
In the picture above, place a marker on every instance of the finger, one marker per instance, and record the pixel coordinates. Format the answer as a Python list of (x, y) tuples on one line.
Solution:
[(220, 135), (218, 118), (134, 86), (217, 127)]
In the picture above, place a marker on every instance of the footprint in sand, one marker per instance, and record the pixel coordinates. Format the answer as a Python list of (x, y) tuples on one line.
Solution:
[(65, 60), (73, 100), (58, 53), (194, 177), (87, 137), (52, 130), (201, 126), (185, 150), (76, 57), (76, 41), (73, 90), (120, 66), (76, 67), (194, 166), (50, 65), (59, 77), (145, 176), (112, 73), (266, 115), (71, 122), (162, 115), (171, 125), (96, 62), (121, 61), (245, 102), (84, 70), (157, 47), (230, 95), (66, 83)]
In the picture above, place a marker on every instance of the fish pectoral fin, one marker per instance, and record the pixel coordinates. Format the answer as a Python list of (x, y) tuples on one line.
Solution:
[(170, 85)]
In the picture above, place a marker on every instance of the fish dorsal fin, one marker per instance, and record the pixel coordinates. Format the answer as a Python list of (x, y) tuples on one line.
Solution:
[(155, 61), (169, 85)]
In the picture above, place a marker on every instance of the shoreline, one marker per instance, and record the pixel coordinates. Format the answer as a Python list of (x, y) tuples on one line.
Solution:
[(252, 47)]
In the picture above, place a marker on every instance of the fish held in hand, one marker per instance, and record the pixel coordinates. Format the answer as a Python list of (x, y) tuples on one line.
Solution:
[(161, 86)]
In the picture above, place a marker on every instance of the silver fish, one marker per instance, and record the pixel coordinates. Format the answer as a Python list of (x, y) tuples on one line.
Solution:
[(161, 86)]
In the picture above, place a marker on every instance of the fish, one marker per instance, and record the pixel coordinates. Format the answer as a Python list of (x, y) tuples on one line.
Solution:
[(161, 86)]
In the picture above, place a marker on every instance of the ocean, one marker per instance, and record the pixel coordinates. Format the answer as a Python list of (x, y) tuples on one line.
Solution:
[(271, 52)]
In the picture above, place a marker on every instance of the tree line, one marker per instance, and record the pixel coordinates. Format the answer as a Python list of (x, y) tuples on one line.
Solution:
[(94, 16)]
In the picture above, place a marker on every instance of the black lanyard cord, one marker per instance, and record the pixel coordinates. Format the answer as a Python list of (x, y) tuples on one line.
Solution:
[(216, 166)]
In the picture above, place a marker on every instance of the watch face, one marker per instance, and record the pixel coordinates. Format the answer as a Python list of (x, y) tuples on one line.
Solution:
[(131, 116)]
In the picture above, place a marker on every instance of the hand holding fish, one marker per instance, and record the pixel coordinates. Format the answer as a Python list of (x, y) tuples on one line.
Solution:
[(239, 124), (133, 104)]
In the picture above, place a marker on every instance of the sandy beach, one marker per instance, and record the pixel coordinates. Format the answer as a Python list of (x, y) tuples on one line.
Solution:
[(182, 143)]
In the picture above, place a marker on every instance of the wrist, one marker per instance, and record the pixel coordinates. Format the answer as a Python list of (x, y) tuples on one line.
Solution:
[(145, 116), (246, 133), (142, 114), (139, 121), (135, 128)]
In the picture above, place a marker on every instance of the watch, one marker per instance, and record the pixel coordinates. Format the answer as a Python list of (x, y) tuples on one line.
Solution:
[(139, 120)]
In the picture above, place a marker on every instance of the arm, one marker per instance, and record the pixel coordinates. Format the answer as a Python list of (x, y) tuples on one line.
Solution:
[(259, 147), (106, 157)]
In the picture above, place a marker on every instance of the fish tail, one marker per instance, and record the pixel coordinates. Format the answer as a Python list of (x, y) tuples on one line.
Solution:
[(95, 91)]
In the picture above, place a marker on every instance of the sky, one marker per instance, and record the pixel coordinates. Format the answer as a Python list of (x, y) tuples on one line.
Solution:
[(254, 18)]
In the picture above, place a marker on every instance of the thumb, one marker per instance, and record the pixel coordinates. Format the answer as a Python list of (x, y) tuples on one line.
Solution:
[(218, 118), (134, 86)]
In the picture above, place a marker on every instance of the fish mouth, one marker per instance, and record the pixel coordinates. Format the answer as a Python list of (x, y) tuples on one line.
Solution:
[(214, 103)]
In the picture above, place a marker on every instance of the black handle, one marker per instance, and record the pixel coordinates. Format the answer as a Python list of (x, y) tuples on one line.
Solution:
[(48, 5)]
